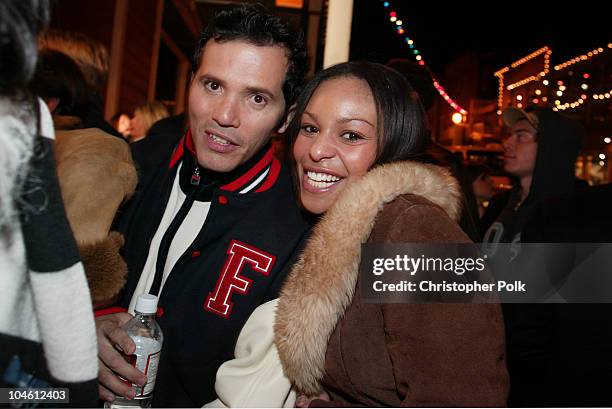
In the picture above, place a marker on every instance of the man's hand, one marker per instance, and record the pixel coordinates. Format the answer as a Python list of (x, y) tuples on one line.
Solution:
[(112, 363)]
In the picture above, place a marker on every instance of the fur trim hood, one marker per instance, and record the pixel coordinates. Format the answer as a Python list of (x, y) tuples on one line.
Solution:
[(320, 288)]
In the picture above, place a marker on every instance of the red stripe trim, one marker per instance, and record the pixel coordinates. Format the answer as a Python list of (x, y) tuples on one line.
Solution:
[(178, 153), (272, 176), (251, 174), (109, 310), (186, 140)]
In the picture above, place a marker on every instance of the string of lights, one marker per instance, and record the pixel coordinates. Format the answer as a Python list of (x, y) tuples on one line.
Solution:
[(401, 31)]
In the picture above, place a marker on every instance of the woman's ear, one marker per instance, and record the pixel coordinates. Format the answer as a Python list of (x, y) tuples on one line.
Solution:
[(290, 115)]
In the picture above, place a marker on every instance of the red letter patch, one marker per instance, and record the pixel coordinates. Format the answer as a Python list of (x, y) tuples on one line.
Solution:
[(231, 281)]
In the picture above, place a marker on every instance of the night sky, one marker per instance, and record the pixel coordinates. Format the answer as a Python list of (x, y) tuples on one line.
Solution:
[(442, 31)]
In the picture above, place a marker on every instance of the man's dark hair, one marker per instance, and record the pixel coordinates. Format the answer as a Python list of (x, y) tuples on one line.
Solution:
[(254, 24)]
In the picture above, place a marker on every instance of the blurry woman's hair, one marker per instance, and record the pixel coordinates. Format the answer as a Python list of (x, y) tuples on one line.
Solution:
[(91, 56), (402, 124), (59, 77), (20, 23), (150, 112)]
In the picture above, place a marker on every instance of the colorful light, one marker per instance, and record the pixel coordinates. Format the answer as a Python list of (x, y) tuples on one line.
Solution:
[(420, 60)]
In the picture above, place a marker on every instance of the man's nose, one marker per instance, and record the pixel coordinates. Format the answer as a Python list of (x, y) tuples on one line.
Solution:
[(226, 112)]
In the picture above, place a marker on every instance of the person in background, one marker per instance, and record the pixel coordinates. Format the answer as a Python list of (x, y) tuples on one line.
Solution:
[(540, 154), (93, 60), (46, 318), (95, 170), (214, 230), (145, 115), (122, 123)]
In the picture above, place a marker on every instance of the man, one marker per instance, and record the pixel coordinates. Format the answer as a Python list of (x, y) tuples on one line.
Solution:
[(540, 154), (214, 229)]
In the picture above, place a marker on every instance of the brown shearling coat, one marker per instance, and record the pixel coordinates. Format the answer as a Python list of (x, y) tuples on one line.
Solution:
[(387, 354), (96, 175)]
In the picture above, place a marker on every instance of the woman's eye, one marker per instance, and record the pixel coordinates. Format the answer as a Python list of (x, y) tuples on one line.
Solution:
[(351, 136), (309, 129)]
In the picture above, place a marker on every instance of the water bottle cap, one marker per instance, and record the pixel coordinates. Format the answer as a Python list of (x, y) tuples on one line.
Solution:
[(146, 304)]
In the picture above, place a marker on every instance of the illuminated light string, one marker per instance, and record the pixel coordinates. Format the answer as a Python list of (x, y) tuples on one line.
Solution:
[(583, 57), (399, 26), (568, 105), (500, 74), (583, 98)]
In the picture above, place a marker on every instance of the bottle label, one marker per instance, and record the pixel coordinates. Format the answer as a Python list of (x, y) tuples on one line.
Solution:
[(147, 360)]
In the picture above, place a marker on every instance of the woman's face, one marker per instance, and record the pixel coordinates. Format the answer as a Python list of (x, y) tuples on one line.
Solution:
[(137, 130), (123, 125), (337, 141)]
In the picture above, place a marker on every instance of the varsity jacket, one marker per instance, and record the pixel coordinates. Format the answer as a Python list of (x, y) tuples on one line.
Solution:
[(238, 261)]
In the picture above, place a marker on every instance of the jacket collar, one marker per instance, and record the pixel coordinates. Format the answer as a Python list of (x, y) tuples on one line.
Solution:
[(321, 284), (257, 174)]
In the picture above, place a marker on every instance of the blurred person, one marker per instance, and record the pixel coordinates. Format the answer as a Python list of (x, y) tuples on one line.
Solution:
[(214, 229), (355, 142), (420, 78), (93, 60), (60, 83), (163, 137), (540, 155), (122, 123), (46, 320), (145, 115), (84, 155)]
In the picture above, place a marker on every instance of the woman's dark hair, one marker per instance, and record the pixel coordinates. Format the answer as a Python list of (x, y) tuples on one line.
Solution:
[(20, 23), (254, 24), (58, 76), (402, 123)]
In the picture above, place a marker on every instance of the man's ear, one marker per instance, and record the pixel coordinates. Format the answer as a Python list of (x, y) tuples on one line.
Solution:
[(285, 124)]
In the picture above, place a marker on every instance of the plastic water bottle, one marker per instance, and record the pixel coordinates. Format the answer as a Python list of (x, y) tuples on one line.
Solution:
[(147, 335)]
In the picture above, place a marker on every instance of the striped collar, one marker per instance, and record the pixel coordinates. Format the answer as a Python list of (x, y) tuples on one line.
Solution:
[(256, 175)]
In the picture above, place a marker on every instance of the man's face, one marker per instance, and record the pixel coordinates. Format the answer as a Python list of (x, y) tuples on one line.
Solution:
[(520, 149), (235, 101)]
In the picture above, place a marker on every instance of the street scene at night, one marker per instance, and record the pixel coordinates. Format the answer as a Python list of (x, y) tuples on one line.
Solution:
[(305, 203)]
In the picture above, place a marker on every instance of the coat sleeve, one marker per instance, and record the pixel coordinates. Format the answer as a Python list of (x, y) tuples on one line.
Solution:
[(254, 378), (443, 354)]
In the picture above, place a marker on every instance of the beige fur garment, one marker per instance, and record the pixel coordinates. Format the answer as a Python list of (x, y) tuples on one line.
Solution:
[(96, 174), (322, 283)]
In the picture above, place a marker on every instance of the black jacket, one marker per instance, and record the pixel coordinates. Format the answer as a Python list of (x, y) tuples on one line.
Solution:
[(252, 236)]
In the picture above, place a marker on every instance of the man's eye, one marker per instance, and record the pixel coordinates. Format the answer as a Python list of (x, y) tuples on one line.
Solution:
[(259, 99)]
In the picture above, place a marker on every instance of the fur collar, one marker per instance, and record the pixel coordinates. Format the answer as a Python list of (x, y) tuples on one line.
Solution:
[(320, 287)]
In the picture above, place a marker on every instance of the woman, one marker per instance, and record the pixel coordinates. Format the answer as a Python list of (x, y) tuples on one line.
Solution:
[(46, 320), (145, 116), (357, 129)]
